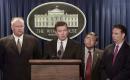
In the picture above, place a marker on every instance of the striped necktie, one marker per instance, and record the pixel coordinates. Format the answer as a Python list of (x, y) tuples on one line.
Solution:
[(60, 51), (115, 53), (19, 46)]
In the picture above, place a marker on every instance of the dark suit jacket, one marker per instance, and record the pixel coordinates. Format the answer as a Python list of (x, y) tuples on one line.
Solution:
[(72, 50), (2, 51), (95, 65), (16, 66), (120, 70)]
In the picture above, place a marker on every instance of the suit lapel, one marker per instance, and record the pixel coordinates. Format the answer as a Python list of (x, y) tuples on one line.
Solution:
[(54, 47), (66, 53), (24, 44), (95, 58), (110, 53), (119, 55), (13, 44)]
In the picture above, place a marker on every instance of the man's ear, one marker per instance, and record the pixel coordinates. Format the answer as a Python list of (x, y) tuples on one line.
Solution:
[(96, 43), (11, 27), (56, 33), (123, 35)]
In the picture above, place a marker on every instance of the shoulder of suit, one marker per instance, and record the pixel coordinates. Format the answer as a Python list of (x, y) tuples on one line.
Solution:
[(54, 41), (50, 43), (6, 38), (29, 36), (109, 46), (73, 41), (98, 50), (126, 43)]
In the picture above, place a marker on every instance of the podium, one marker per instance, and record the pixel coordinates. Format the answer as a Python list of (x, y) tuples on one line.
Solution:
[(55, 69)]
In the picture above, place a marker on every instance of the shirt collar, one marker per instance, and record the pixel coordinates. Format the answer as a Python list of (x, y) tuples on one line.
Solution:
[(16, 37), (120, 44), (21, 37), (92, 50), (65, 41)]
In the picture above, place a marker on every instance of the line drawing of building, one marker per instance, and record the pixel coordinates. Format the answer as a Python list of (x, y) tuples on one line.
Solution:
[(49, 19)]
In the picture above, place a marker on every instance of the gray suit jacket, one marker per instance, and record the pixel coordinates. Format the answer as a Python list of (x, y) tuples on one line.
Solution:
[(95, 65)]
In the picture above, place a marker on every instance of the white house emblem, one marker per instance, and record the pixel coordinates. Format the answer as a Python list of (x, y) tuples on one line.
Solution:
[(41, 20)]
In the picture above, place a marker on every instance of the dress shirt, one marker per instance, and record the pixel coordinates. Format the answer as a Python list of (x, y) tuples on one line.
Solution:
[(20, 39), (63, 43), (119, 46)]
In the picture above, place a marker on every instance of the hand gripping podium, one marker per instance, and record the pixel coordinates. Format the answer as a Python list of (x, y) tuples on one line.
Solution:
[(55, 69)]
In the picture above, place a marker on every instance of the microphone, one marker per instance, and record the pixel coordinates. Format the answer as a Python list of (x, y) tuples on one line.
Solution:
[(59, 54), (54, 57)]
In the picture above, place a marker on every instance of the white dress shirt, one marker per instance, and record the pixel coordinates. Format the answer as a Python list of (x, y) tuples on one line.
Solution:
[(63, 43), (20, 39)]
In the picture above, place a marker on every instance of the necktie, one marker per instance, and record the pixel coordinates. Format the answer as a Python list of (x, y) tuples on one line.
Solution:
[(88, 66), (61, 51), (19, 46), (115, 54)]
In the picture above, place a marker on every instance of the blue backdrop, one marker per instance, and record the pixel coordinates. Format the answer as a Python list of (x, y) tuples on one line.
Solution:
[(100, 14)]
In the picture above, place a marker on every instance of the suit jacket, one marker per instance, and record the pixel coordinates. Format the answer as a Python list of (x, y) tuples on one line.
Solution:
[(120, 70), (72, 50), (95, 64), (2, 51), (16, 66)]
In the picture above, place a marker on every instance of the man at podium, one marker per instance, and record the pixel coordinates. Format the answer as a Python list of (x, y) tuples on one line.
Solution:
[(62, 47)]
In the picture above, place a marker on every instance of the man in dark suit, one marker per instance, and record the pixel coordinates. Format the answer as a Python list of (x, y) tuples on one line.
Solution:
[(91, 56), (62, 47), (116, 59), (19, 49)]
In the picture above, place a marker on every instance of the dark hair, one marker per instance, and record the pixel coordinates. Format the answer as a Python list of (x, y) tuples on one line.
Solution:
[(92, 34), (60, 23), (121, 27)]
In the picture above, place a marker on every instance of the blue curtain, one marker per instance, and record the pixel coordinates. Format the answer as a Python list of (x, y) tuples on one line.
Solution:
[(100, 14)]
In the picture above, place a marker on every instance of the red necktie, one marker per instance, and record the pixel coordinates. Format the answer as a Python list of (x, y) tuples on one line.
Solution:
[(88, 66), (115, 53)]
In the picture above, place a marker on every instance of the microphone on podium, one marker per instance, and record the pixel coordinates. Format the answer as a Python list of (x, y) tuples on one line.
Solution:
[(59, 54)]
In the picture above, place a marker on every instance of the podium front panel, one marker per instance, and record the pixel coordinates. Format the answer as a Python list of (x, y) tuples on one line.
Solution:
[(55, 72)]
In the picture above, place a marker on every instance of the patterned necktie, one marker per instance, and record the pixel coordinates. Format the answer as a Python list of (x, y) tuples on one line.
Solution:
[(61, 51), (89, 66), (115, 54), (19, 46)]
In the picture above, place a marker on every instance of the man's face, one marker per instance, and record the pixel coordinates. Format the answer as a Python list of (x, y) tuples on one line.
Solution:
[(90, 41), (62, 32), (18, 28), (117, 35)]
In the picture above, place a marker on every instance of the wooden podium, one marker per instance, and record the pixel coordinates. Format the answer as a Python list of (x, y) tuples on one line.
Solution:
[(55, 69)]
